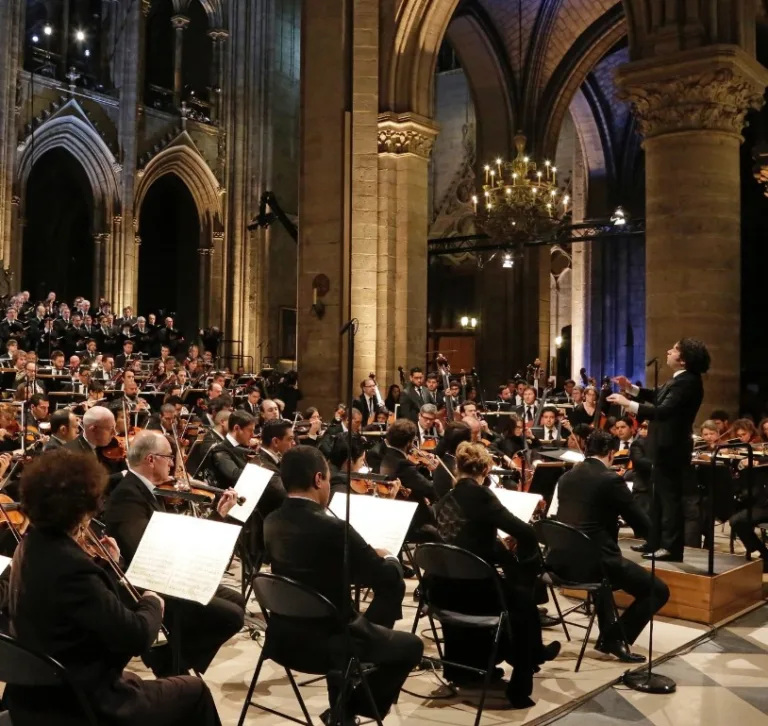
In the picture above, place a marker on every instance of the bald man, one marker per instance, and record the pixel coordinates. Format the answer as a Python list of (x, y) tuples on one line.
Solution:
[(98, 431)]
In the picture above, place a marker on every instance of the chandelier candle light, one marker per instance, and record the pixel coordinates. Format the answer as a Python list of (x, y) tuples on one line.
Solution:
[(521, 202)]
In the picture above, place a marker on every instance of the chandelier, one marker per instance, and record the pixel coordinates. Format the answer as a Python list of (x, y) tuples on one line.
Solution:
[(520, 202)]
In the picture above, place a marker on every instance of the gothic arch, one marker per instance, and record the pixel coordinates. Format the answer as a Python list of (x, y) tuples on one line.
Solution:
[(183, 159), (572, 71), (70, 129)]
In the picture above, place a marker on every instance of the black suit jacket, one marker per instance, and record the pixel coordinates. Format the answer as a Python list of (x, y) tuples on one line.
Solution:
[(395, 463), (410, 403), (306, 544), (640, 476), (361, 404), (670, 430), (591, 498), (127, 513), (248, 408), (69, 609)]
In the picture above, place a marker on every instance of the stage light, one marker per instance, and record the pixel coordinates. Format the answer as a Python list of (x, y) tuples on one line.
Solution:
[(507, 261), (79, 36), (619, 218), (48, 30), (558, 340), (87, 53), (473, 322), (464, 321), (35, 39)]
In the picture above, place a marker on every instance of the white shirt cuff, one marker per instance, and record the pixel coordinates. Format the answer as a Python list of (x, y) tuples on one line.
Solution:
[(633, 390), (633, 407)]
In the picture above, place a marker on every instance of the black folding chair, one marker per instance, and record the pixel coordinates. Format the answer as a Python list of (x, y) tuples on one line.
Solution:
[(447, 562), (22, 666), (585, 570), (291, 600)]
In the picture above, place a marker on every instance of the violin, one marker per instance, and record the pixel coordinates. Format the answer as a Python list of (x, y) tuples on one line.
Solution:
[(423, 458), (12, 516), (178, 491)]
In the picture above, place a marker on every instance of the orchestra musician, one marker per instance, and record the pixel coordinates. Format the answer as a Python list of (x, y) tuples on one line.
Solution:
[(433, 395), (455, 433), (203, 628), (670, 440), (470, 516), (251, 404), (429, 425), (367, 404), (591, 498), (29, 385), (722, 420), (413, 397), (584, 412), (64, 428), (710, 434), (642, 469), (307, 545), (66, 606), (529, 410), (550, 432)]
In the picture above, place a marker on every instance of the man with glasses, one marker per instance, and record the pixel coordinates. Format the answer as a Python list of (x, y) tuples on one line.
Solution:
[(429, 426), (202, 629)]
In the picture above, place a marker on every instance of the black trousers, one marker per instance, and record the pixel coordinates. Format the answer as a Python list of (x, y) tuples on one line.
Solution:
[(203, 629), (744, 528), (697, 522), (394, 653), (667, 520), (650, 595)]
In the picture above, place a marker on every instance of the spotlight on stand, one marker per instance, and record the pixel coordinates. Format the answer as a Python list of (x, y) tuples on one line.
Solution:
[(507, 261), (619, 218)]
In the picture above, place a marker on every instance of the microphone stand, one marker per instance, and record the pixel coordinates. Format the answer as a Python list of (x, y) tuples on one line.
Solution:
[(645, 680)]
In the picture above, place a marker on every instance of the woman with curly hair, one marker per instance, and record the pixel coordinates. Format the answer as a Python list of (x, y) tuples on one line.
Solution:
[(65, 605)]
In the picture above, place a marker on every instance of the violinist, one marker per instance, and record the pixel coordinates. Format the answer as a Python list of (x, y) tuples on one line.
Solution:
[(315, 432), (306, 544), (455, 433), (511, 439), (164, 421), (470, 517), (744, 430), (203, 628), (710, 434), (429, 427), (28, 385), (98, 432), (135, 405), (182, 380), (37, 420), (762, 429), (66, 606), (64, 428), (722, 420), (340, 454), (584, 413), (400, 438)]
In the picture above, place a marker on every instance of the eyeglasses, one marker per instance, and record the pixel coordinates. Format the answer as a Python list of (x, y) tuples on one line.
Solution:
[(164, 456)]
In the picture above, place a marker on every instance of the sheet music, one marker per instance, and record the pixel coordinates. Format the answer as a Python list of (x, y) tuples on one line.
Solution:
[(4, 562), (382, 523), (183, 557), (574, 457), (251, 485), (521, 504)]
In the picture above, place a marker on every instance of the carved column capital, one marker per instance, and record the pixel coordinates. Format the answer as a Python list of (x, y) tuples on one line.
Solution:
[(406, 134), (15, 200), (137, 240), (218, 34), (146, 6), (101, 238), (180, 22), (709, 89)]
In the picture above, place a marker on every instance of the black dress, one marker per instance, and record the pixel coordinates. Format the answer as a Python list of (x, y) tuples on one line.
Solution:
[(68, 608), (469, 517), (580, 416)]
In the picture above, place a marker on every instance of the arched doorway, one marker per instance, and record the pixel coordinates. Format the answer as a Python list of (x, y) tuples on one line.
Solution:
[(58, 237), (169, 274)]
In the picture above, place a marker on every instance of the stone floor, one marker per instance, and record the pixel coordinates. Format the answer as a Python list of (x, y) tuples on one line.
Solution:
[(733, 688)]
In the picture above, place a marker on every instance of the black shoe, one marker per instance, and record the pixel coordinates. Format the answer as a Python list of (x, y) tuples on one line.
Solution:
[(417, 594), (619, 650), (325, 717), (408, 572), (547, 621), (550, 651), (642, 548), (542, 610), (663, 555)]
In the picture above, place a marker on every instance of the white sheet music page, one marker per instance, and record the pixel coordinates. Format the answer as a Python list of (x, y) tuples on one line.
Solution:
[(521, 504), (4, 562), (251, 485), (382, 523), (182, 556)]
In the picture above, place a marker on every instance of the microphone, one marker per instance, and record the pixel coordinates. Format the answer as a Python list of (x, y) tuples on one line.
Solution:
[(652, 361)]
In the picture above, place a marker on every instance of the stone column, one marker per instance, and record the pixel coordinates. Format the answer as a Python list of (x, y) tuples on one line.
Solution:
[(218, 37), (400, 254), (691, 109), (100, 242), (205, 252), (180, 23)]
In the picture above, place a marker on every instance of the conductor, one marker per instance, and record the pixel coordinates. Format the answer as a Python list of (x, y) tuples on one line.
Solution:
[(670, 441)]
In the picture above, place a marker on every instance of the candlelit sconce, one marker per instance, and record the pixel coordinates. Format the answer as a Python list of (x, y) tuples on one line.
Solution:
[(320, 286)]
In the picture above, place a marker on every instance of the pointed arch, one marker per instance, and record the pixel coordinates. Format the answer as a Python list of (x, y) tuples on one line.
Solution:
[(183, 158), (71, 129)]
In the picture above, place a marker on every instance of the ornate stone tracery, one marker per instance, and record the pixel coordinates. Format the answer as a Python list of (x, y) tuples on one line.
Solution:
[(406, 134)]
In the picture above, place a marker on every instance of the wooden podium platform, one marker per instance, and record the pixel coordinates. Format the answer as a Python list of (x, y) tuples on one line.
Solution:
[(694, 596)]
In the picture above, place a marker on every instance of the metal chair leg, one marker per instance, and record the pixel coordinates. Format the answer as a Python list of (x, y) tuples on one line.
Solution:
[(251, 689), (489, 670), (559, 613), (297, 693), (586, 639)]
